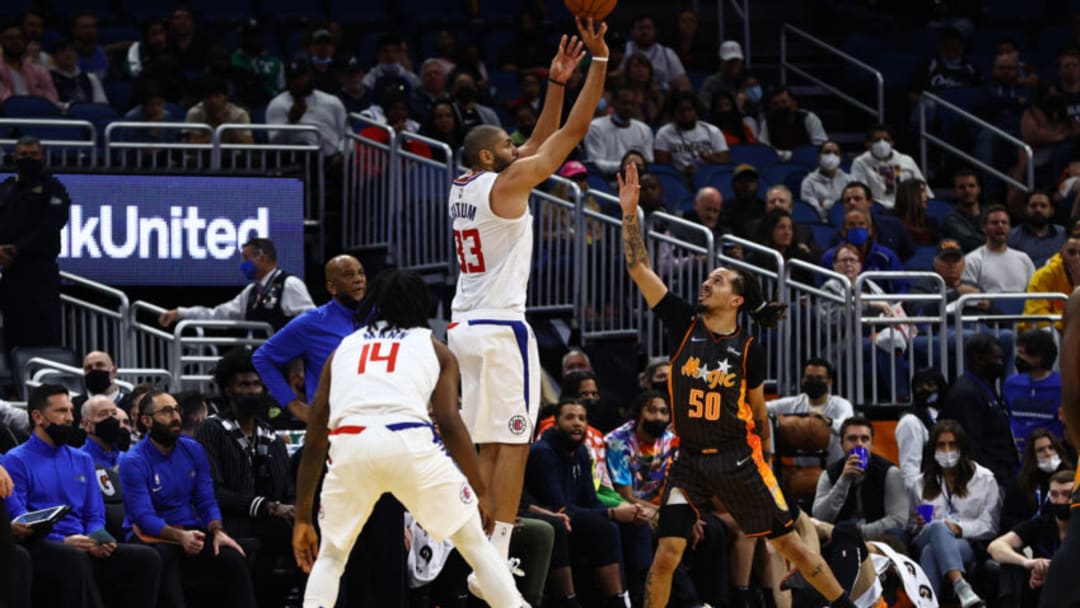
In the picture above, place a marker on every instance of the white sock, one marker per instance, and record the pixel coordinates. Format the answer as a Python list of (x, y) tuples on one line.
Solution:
[(492, 575), (501, 538)]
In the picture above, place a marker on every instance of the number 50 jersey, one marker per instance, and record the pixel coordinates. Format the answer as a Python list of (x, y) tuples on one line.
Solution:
[(494, 253), (381, 372)]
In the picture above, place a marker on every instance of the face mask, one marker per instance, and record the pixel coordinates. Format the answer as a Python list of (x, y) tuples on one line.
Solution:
[(815, 389), (947, 460), (830, 161), (858, 236), (29, 169), (925, 397), (247, 405), (123, 440), (1049, 465), (97, 381), (322, 60), (881, 149), (654, 428), (247, 267), (618, 121), (1022, 366), (994, 370), (1062, 512), (753, 94), (465, 95), (65, 434), (590, 404), (108, 430), (163, 434)]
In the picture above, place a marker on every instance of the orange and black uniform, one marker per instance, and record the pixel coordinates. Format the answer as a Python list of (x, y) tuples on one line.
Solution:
[(1062, 588), (719, 453)]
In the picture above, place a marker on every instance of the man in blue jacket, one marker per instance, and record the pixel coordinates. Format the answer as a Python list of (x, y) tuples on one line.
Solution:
[(77, 563), (169, 498)]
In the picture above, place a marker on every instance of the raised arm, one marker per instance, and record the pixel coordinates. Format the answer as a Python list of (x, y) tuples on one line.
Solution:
[(637, 259), (570, 52)]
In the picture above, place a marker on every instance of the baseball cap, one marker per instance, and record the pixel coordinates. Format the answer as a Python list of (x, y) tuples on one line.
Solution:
[(743, 169), (297, 67), (948, 247), (320, 35), (572, 168), (730, 50), (353, 64)]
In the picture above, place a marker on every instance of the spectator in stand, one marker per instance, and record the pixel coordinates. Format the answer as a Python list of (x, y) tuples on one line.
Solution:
[(152, 107), (949, 265), (146, 51), (1048, 128), (1069, 80), (725, 114), (949, 69), (973, 401), (965, 222), (272, 296), (870, 493), (250, 468), (1060, 275), (33, 27), (652, 200), (215, 109), (524, 122), (77, 554), (353, 94), (389, 52), (18, 76), (301, 103), (264, 68), (442, 125), (822, 187), (749, 97), (883, 168), (787, 127), (928, 390), (71, 83), (817, 399), (193, 411), (778, 232), (966, 503), (190, 46), (668, 71), (1027, 493), (92, 57), (1001, 102), (170, 505), (859, 233), (393, 107), (1028, 74), (530, 86), (995, 267), (687, 142), (1037, 235), (430, 91), (746, 208), (778, 197), (911, 202), (637, 77), (560, 488), (529, 48), (99, 378), (708, 211), (727, 79), (611, 137), (321, 53), (1021, 578), (469, 112), (693, 45), (1033, 393)]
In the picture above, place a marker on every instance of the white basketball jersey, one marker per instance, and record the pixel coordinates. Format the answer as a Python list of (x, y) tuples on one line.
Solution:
[(383, 372), (494, 253)]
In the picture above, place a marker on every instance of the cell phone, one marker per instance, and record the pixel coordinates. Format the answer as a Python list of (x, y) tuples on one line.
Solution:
[(102, 537), (42, 517)]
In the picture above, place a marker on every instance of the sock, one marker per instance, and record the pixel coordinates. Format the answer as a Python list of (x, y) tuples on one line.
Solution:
[(501, 538), (621, 600)]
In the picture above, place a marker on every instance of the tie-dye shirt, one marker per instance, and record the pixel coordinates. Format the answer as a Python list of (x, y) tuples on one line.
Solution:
[(638, 465)]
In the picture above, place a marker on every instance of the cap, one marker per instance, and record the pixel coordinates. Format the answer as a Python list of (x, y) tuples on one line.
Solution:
[(743, 168), (730, 50), (321, 34), (297, 67), (572, 168), (948, 247), (353, 64)]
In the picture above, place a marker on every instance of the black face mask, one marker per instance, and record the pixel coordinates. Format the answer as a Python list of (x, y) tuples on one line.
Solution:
[(163, 434), (29, 169), (590, 404), (815, 389), (247, 405), (97, 381), (1022, 366), (1062, 512), (108, 430), (654, 428), (926, 398), (993, 370), (65, 434), (465, 95), (660, 386), (123, 440)]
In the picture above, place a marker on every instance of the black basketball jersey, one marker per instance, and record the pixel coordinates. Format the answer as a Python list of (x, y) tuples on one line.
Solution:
[(709, 380)]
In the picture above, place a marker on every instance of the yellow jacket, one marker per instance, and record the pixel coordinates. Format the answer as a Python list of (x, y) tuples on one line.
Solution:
[(1051, 278)]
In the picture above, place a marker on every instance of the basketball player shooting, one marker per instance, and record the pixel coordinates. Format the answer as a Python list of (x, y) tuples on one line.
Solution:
[(493, 230)]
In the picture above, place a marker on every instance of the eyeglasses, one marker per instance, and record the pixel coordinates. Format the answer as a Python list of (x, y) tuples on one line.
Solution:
[(168, 410), (847, 260)]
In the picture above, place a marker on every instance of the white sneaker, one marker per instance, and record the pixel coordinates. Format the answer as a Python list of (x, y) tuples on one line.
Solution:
[(968, 598), (513, 564)]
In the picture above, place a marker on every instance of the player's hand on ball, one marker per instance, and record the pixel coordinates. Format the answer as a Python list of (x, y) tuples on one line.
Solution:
[(305, 543), (571, 52), (628, 190), (593, 36)]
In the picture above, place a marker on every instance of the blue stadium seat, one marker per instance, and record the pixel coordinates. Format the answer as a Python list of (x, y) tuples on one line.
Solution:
[(30, 106), (794, 180), (1049, 41), (706, 173), (223, 10), (119, 94), (759, 155), (344, 10), (960, 96), (922, 260), (290, 10), (108, 34), (805, 156), (777, 174), (12, 8), (598, 183), (864, 47), (804, 213), (1011, 11), (823, 234), (899, 69), (938, 209), (506, 85), (722, 182), (986, 40), (494, 43), (143, 10), (98, 113)]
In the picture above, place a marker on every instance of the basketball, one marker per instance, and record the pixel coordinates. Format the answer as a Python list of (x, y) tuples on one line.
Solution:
[(597, 9)]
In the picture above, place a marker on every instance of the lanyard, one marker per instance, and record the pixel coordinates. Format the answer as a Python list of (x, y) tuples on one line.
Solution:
[(989, 390), (945, 495)]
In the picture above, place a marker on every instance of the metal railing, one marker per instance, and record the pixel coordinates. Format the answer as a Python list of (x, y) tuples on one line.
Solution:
[(742, 10), (993, 322), (877, 111), (819, 323), (606, 294), (55, 136), (680, 251), (558, 239), (925, 137), (144, 145), (95, 319), (193, 354), (371, 188), (423, 235)]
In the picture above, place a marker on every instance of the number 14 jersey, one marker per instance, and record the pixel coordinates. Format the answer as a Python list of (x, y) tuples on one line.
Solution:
[(494, 253)]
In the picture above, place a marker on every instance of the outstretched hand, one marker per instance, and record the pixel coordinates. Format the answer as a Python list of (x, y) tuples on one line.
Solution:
[(592, 36), (628, 190), (571, 52)]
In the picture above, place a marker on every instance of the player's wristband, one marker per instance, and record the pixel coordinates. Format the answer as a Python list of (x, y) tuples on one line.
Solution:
[(553, 81), (599, 59)]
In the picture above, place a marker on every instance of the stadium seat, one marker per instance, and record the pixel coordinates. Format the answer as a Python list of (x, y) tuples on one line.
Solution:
[(938, 209), (823, 235), (290, 11), (759, 155), (30, 106), (922, 260), (223, 10), (109, 34), (776, 175), (119, 94), (706, 173), (794, 180), (804, 213), (499, 8), (674, 187), (1010, 11), (721, 180), (805, 156), (98, 113), (12, 8), (986, 39), (494, 43), (598, 183), (1049, 41), (865, 47), (898, 69), (506, 85), (345, 11)]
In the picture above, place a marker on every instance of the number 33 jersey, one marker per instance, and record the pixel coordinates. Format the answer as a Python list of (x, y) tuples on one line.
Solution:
[(380, 372), (494, 253)]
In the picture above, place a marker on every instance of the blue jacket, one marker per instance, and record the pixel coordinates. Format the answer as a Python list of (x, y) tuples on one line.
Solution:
[(106, 460), (313, 336), (560, 480), (173, 489), (878, 257), (46, 476)]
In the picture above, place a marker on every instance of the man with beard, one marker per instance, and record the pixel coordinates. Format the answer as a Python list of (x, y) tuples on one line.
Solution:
[(250, 467), (1037, 235), (78, 563), (1060, 275), (170, 505), (787, 127), (19, 76)]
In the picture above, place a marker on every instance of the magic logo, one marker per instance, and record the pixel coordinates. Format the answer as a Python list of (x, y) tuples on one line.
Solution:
[(721, 376)]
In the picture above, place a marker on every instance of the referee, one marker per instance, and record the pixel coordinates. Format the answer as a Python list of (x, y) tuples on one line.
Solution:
[(718, 415)]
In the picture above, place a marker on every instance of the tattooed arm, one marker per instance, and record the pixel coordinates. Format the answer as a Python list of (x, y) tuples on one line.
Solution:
[(637, 259)]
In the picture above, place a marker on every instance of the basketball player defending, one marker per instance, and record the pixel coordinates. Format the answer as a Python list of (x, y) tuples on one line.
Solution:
[(372, 401), (493, 229), (717, 412), (1062, 587)]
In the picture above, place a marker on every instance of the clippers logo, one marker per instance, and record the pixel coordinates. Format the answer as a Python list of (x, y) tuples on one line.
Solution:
[(467, 496), (518, 424)]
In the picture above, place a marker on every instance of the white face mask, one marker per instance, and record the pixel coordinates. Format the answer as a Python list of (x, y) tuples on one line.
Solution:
[(881, 148), (947, 460), (830, 161), (1049, 465)]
